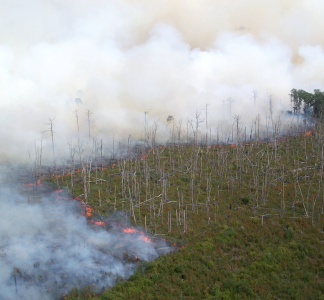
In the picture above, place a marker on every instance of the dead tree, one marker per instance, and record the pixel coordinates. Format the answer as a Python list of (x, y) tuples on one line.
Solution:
[(255, 96), (77, 119), (230, 103), (51, 125), (89, 114)]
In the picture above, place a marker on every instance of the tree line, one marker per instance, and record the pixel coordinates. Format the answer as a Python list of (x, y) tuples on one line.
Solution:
[(310, 104)]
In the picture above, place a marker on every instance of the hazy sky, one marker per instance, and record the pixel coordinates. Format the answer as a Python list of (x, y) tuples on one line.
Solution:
[(125, 57)]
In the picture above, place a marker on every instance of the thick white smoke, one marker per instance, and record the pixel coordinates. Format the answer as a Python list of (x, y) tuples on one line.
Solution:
[(122, 58), (46, 249)]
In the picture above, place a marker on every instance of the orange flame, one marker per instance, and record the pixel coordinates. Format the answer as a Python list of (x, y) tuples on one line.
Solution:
[(88, 211), (100, 223), (142, 237), (308, 133), (132, 230), (31, 184), (232, 146), (145, 239)]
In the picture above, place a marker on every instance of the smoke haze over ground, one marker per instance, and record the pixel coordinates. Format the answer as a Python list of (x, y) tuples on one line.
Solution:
[(50, 249), (122, 58)]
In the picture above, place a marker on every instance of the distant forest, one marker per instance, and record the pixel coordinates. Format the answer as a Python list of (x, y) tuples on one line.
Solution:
[(310, 104)]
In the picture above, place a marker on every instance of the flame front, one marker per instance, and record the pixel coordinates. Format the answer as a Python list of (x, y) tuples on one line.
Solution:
[(142, 237), (100, 223), (145, 239), (31, 184), (132, 230), (88, 211)]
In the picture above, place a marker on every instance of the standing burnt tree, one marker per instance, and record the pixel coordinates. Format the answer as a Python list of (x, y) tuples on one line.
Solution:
[(51, 125)]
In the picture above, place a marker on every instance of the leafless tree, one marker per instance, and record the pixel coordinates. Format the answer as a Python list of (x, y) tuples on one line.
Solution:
[(230, 103), (77, 119), (145, 125), (51, 130), (255, 96), (89, 114)]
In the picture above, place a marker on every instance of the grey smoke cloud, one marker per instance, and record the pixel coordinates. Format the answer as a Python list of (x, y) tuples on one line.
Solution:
[(53, 250), (129, 56)]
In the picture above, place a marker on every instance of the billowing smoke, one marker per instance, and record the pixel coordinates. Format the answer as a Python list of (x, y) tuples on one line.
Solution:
[(123, 57), (47, 248)]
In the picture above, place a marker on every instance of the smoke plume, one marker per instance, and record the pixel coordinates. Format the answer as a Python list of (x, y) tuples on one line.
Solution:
[(123, 57)]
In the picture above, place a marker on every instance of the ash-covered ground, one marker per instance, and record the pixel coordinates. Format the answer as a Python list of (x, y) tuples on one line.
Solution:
[(48, 247)]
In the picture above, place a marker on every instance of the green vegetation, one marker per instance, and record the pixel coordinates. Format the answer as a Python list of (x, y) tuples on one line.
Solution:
[(308, 100), (249, 217)]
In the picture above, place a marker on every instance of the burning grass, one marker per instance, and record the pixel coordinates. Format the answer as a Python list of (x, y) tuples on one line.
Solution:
[(51, 247)]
